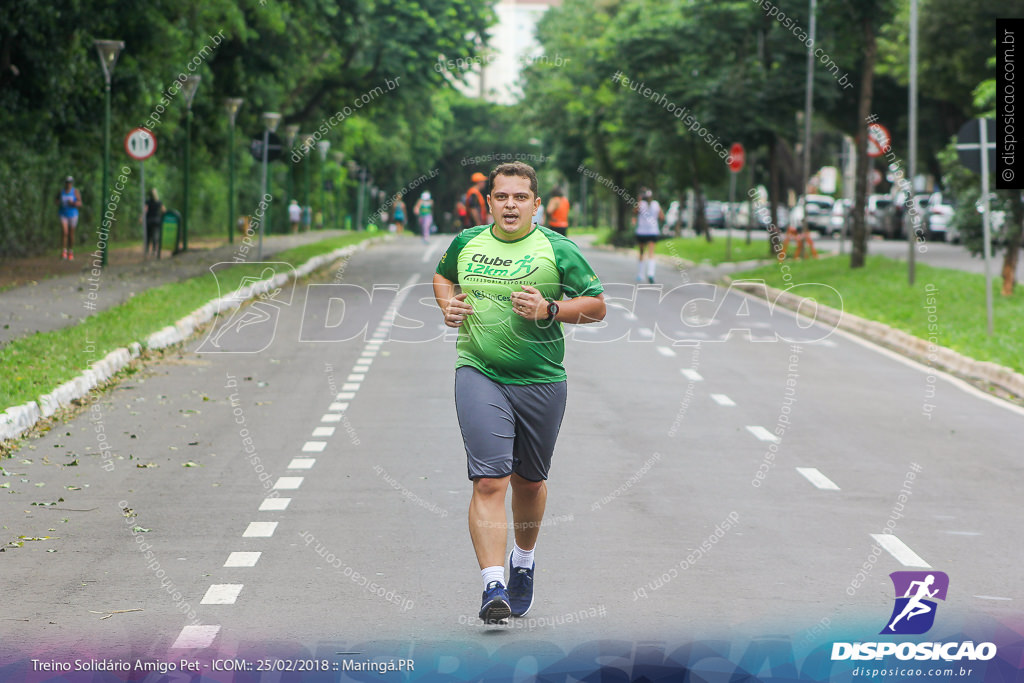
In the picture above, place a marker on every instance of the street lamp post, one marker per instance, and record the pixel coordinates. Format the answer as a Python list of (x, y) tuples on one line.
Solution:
[(290, 131), (232, 104), (270, 121), (307, 210), (190, 86), (323, 146), (108, 51), (339, 158)]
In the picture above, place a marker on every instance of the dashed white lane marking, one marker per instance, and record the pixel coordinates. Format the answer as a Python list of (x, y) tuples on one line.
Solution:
[(314, 446), (361, 368), (762, 433), (367, 354), (900, 550), (260, 530), (963, 533), (222, 594), (323, 431), (665, 351), (331, 417), (196, 636), (240, 559), (302, 463), (813, 475), (629, 315), (691, 375), (270, 504), (991, 597), (288, 483), (350, 386), (722, 400), (345, 396), (645, 332), (338, 406), (356, 378)]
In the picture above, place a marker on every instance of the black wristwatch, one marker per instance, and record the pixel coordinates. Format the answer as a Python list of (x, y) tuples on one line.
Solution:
[(552, 309)]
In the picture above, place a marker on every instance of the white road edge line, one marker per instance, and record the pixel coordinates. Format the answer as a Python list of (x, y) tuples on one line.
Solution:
[(952, 379), (900, 550), (813, 475)]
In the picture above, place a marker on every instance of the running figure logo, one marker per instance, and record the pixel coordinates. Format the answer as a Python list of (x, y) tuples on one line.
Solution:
[(914, 611), (252, 303)]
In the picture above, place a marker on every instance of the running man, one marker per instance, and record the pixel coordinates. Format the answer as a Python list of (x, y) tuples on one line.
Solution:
[(914, 606), (70, 201), (503, 285)]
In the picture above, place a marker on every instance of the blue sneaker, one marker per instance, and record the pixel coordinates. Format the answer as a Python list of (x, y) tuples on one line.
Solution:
[(495, 606), (520, 588)]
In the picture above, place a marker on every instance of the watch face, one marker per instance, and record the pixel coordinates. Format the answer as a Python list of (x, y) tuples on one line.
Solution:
[(552, 309)]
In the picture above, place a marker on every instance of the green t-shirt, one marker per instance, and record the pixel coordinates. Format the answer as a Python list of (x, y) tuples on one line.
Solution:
[(494, 340)]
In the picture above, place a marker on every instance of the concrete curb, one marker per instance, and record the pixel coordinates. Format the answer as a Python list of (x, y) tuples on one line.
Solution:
[(906, 344), (19, 419)]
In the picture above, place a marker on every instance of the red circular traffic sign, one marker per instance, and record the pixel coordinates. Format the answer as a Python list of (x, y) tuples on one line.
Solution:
[(737, 157), (140, 144), (879, 139)]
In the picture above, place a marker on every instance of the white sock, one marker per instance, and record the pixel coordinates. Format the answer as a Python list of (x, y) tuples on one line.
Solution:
[(650, 267), (493, 574), (640, 268), (521, 558)]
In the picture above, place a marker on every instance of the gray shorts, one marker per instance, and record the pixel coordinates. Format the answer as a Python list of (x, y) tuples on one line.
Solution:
[(507, 427)]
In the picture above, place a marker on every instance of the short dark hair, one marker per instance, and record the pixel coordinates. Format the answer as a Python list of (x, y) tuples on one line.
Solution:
[(515, 168)]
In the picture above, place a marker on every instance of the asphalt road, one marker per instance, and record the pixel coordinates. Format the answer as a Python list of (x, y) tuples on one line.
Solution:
[(659, 525)]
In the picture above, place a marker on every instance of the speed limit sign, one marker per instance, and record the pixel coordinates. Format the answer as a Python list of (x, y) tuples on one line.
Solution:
[(140, 144)]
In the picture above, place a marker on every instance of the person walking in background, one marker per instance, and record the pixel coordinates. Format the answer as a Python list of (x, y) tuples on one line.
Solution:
[(558, 212), (154, 223), (398, 214), (294, 215), (648, 214), (69, 201), (510, 383), (476, 207), (424, 213)]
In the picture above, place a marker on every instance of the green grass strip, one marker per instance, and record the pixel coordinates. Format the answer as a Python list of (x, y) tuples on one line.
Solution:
[(698, 249), (36, 365), (955, 318)]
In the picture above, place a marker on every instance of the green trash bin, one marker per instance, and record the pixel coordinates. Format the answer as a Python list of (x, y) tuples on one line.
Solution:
[(173, 218)]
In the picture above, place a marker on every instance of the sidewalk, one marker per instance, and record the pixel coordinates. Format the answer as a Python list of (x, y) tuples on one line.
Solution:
[(50, 293)]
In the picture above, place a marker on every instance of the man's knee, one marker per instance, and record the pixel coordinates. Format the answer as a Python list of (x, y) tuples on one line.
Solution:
[(485, 486), (527, 487)]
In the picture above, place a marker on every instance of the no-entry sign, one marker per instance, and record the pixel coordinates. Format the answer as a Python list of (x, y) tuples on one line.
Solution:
[(879, 139), (737, 157), (140, 144)]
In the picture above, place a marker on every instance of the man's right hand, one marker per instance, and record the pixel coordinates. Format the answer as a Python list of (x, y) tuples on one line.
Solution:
[(457, 310)]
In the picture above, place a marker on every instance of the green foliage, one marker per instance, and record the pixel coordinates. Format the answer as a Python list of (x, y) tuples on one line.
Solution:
[(308, 59)]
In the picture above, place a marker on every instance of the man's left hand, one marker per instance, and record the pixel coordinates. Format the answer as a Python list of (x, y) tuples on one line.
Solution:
[(529, 304)]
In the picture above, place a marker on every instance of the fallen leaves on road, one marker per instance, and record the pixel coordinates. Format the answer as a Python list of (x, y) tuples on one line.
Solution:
[(111, 612), (190, 464)]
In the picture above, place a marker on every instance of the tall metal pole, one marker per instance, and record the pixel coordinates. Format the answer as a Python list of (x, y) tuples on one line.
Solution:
[(986, 221), (359, 203), (808, 109), (912, 147), (263, 187), (188, 157), (106, 167)]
